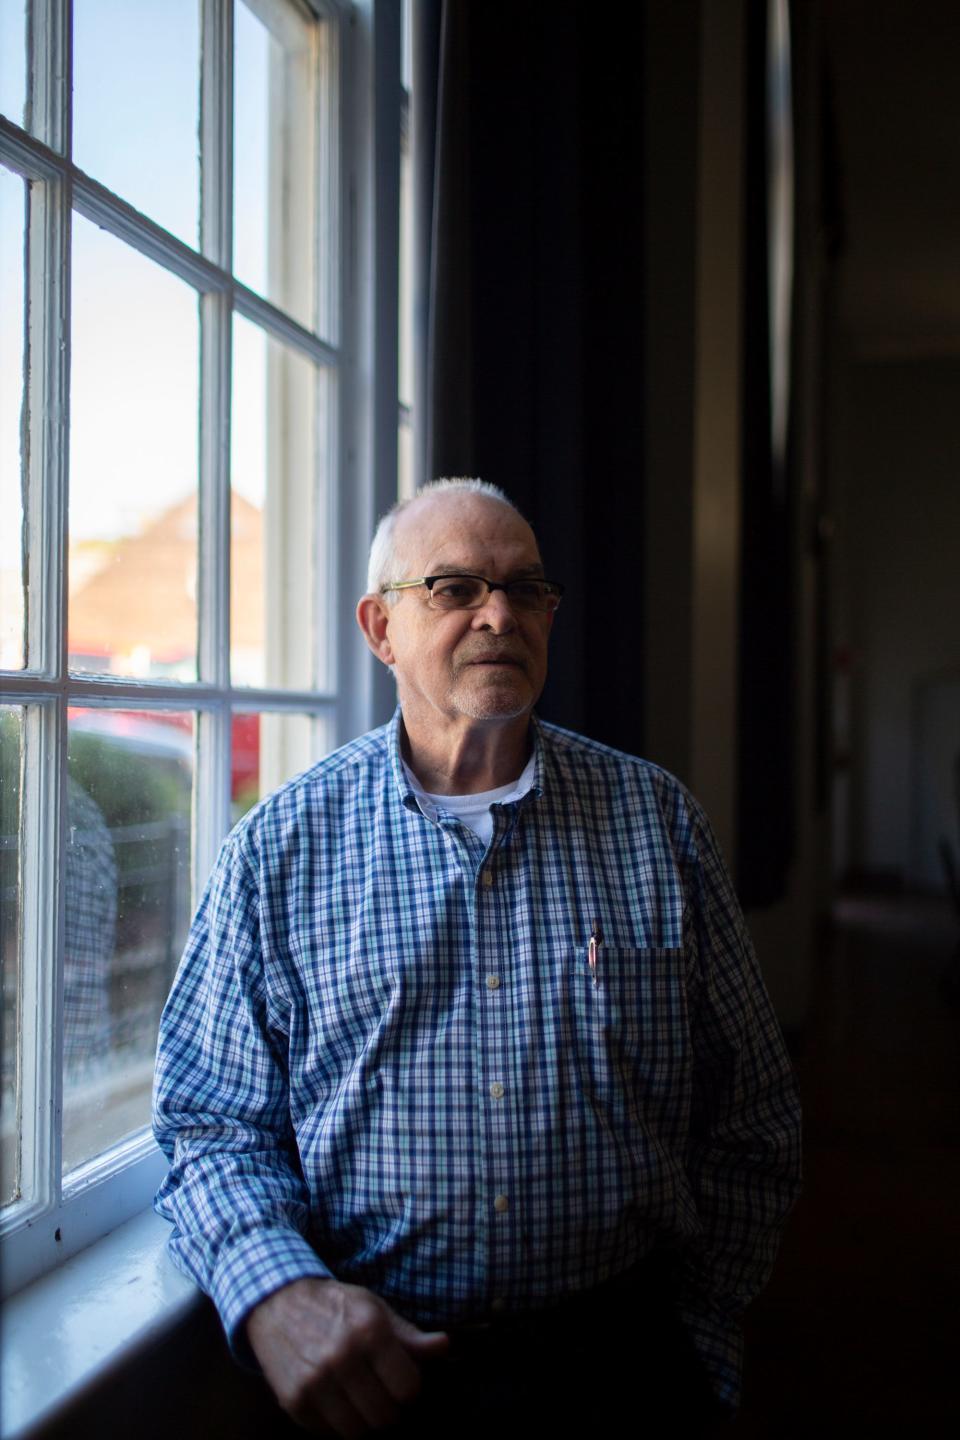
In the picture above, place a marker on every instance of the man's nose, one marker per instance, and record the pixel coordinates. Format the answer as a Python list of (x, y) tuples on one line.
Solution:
[(496, 614)]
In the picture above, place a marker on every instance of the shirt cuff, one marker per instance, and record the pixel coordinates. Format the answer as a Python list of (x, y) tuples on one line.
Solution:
[(252, 1268), (718, 1342)]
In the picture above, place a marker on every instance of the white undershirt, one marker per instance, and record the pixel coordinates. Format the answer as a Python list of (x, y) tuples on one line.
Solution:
[(473, 810)]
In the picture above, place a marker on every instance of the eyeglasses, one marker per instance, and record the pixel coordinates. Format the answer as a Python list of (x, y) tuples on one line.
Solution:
[(469, 592)]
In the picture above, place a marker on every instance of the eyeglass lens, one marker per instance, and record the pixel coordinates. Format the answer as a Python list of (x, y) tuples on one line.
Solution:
[(463, 592)]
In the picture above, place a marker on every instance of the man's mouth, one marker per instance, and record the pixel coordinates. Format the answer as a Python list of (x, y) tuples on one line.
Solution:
[(495, 659)]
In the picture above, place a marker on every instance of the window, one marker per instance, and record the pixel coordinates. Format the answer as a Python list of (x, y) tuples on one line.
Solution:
[(183, 503)]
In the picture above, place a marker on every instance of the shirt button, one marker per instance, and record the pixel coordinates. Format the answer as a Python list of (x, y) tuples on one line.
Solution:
[(496, 1090), (486, 879), (493, 982), (500, 1204)]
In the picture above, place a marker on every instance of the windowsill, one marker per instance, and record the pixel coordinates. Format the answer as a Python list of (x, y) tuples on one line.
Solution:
[(67, 1331)]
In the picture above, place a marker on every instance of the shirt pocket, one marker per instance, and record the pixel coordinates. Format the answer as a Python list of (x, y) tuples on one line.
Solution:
[(630, 1035)]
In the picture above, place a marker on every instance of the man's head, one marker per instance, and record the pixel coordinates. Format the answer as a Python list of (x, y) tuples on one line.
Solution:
[(484, 664)]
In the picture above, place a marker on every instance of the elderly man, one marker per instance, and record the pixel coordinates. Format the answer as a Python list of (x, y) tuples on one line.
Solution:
[(476, 1108)]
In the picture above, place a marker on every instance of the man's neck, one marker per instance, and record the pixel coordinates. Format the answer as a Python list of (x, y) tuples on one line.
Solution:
[(470, 759)]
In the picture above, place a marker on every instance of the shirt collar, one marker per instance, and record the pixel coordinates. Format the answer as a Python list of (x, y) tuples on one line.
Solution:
[(404, 788)]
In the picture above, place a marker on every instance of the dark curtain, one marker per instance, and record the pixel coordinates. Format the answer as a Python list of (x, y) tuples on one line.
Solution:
[(533, 321), (531, 295)]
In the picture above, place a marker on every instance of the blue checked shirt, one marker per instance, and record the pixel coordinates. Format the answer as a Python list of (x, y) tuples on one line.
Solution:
[(385, 1056)]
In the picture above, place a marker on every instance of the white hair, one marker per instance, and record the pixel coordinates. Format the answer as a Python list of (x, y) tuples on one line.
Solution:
[(384, 561)]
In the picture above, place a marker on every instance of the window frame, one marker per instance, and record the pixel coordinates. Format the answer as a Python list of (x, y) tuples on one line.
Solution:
[(358, 181)]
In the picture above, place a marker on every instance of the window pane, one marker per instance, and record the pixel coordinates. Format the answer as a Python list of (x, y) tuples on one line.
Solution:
[(271, 748), (127, 876), (137, 105), (11, 740), (13, 59), (12, 220), (133, 464), (274, 630), (274, 150)]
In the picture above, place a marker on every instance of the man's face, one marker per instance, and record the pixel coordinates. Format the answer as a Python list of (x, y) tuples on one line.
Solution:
[(485, 664)]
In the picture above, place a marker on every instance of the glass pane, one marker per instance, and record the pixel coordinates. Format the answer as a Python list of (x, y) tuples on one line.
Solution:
[(127, 912), (11, 741), (12, 222), (270, 748), (13, 59), (136, 75), (274, 150), (274, 539), (133, 464)]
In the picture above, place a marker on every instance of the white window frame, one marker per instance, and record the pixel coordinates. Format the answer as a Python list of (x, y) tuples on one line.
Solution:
[(360, 173)]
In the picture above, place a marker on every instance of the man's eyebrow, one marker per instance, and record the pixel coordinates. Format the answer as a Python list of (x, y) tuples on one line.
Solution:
[(522, 572)]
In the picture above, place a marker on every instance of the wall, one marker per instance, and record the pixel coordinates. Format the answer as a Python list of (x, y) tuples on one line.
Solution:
[(898, 442)]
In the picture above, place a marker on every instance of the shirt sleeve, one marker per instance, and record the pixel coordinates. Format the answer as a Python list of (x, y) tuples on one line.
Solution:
[(234, 1192), (744, 1153)]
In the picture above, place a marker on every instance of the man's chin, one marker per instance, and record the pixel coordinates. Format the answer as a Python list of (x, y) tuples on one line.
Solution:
[(493, 702)]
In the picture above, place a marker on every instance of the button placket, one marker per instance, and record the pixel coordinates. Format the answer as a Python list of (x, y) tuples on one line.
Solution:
[(492, 908)]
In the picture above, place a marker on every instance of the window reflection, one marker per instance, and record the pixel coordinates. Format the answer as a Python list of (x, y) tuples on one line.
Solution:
[(127, 878), (11, 739)]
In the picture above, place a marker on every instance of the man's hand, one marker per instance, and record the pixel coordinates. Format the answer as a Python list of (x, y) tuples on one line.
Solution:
[(338, 1359)]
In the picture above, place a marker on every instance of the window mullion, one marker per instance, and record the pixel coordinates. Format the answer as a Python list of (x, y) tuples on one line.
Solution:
[(48, 255), (213, 581), (41, 938), (216, 132), (212, 796), (51, 74), (48, 341)]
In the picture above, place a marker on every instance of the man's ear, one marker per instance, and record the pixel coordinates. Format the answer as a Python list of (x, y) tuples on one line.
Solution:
[(373, 617)]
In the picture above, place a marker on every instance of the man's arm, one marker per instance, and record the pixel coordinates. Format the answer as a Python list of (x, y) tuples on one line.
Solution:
[(336, 1355), (234, 1191), (744, 1156)]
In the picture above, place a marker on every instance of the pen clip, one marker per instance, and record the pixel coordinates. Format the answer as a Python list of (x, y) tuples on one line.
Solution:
[(593, 951)]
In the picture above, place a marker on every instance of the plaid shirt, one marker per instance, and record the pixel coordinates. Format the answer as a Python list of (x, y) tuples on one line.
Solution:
[(386, 1056)]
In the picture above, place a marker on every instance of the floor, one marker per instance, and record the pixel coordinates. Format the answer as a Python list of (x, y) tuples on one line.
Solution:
[(858, 1332)]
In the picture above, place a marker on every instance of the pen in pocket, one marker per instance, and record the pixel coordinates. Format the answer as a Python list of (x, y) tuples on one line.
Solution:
[(593, 951)]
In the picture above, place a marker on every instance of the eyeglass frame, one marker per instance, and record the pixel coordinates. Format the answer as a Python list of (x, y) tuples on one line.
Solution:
[(554, 588)]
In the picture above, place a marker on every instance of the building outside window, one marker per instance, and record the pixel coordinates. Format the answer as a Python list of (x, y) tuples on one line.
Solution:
[(174, 424)]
